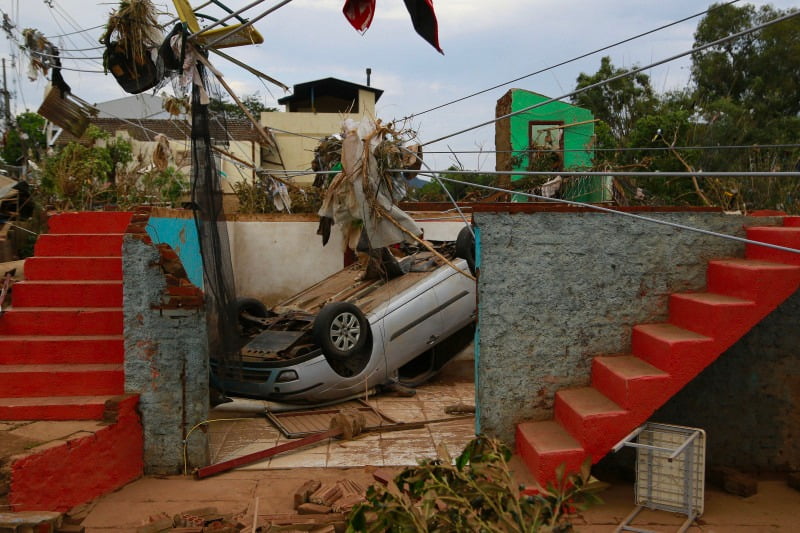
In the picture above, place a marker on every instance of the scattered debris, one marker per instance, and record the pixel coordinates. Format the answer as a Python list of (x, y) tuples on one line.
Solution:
[(459, 409), (202, 520), (733, 481)]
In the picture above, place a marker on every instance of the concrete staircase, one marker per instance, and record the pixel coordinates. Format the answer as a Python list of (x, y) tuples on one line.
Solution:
[(626, 389), (61, 358), (61, 347)]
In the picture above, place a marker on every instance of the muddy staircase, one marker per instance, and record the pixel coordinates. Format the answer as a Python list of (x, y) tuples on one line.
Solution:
[(61, 358), (626, 389)]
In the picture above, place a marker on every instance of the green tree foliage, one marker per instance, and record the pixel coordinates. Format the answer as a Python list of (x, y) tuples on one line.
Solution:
[(252, 102), (473, 492), (81, 176), (619, 103), (25, 139), (745, 92), (434, 190)]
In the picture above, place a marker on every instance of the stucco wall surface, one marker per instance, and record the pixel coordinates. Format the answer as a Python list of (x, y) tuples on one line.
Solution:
[(166, 363), (556, 289)]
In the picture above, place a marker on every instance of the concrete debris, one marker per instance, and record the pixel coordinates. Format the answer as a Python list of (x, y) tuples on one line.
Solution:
[(733, 481), (203, 520)]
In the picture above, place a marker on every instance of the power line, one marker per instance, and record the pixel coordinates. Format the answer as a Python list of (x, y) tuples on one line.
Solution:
[(75, 32), (581, 173), (625, 149), (568, 61), (620, 76), (602, 209)]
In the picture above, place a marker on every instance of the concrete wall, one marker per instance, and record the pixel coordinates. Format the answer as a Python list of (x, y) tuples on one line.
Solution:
[(166, 360), (301, 132), (274, 256), (557, 288)]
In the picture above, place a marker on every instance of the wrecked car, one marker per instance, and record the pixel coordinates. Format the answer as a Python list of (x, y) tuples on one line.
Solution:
[(358, 330)]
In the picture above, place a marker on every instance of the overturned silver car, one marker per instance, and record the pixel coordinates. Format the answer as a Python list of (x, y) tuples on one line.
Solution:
[(393, 320)]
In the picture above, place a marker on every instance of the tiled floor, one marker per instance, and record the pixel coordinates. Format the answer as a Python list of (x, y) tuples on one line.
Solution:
[(236, 433)]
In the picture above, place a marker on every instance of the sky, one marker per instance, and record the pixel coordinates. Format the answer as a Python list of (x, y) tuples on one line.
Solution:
[(485, 43)]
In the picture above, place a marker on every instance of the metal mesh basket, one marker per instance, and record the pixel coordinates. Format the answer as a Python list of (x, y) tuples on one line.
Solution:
[(670, 470)]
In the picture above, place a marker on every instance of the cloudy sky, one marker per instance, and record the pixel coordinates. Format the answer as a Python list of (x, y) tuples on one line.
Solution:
[(486, 43)]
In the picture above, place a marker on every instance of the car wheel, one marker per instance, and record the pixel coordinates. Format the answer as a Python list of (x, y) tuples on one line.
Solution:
[(341, 330), (465, 247), (249, 306)]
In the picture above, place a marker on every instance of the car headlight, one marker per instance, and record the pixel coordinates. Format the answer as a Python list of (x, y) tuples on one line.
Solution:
[(287, 376)]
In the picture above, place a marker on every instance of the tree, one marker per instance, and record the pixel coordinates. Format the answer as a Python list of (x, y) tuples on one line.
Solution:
[(619, 103), (24, 139), (759, 71), (252, 102)]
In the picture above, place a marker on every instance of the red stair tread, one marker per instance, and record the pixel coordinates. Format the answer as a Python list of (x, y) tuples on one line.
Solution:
[(54, 400), (61, 349), (755, 264), (588, 401), (54, 408), (91, 367), (90, 222), (671, 333), (712, 298), (548, 436), (630, 367), (73, 268)]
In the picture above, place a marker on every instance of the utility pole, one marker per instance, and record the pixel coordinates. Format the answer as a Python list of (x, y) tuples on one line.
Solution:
[(6, 99)]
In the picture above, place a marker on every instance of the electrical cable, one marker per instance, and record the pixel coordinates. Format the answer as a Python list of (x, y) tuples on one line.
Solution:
[(568, 61), (602, 209), (620, 76), (51, 37), (628, 149)]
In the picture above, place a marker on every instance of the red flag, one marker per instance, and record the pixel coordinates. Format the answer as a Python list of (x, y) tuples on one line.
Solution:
[(359, 13), (424, 20)]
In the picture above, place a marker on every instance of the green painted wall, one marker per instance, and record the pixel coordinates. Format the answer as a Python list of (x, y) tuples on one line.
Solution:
[(577, 142)]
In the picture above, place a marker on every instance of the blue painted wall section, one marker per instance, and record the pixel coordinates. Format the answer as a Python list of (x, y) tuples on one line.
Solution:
[(181, 235)]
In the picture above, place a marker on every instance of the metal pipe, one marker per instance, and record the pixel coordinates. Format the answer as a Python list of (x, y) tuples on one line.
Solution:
[(249, 22)]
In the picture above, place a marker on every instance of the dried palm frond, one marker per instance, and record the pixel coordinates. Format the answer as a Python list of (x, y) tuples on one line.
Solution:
[(134, 28), (41, 51)]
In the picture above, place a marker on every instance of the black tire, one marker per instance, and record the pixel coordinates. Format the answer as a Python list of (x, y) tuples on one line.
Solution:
[(465, 247), (249, 306), (341, 330)]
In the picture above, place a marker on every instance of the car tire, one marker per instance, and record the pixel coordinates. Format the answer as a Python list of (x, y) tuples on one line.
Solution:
[(465, 247), (341, 330), (249, 306)]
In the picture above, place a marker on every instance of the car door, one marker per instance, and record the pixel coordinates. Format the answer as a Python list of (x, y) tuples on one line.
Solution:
[(411, 323)]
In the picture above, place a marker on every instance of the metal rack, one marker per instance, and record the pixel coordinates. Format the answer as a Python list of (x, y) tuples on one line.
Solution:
[(670, 471)]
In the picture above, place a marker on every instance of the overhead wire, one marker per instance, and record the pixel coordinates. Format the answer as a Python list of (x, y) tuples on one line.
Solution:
[(595, 207), (629, 73), (568, 61)]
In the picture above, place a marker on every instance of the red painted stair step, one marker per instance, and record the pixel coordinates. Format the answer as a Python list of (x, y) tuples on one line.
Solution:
[(53, 408), (546, 445), (786, 236), (57, 350), (718, 316), (25, 381), (766, 283), (73, 268), (679, 352), (90, 222), (67, 294), (61, 321), (79, 245), (791, 222), (630, 382), (595, 421)]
